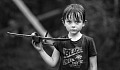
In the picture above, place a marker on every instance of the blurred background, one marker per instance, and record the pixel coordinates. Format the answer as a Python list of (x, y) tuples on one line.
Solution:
[(17, 53)]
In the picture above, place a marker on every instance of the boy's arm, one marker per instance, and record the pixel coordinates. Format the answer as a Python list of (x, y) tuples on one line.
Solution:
[(50, 60), (93, 63), (37, 43)]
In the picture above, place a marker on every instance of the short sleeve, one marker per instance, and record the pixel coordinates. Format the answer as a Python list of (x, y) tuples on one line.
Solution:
[(59, 44), (92, 48), (56, 45)]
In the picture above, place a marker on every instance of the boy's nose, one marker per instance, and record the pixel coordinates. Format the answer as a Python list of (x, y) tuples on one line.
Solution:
[(73, 25)]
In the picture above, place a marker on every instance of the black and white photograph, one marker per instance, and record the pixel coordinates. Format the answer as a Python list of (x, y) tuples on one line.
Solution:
[(59, 35)]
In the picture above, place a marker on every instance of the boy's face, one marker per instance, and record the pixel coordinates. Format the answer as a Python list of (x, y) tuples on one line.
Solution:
[(73, 26)]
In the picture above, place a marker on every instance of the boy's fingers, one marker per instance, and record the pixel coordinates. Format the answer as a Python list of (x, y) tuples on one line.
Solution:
[(34, 38), (38, 47), (33, 43), (36, 42)]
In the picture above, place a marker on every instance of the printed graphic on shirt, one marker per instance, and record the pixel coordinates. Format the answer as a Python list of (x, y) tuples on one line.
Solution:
[(73, 57)]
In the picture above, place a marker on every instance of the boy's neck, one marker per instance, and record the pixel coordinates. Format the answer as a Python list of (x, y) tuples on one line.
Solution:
[(75, 37)]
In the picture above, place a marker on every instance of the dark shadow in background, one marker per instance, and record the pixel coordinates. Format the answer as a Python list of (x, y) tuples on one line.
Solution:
[(18, 53)]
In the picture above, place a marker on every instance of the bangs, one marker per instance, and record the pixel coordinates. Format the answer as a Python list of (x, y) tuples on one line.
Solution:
[(75, 15), (74, 12)]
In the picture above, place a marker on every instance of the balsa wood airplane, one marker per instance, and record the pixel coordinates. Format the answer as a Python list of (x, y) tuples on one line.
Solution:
[(44, 38)]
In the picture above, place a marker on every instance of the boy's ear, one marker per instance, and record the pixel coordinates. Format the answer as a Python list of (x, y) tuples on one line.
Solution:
[(85, 21), (62, 21), (83, 24)]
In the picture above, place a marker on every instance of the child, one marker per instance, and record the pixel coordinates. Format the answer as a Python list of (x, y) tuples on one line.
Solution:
[(79, 53)]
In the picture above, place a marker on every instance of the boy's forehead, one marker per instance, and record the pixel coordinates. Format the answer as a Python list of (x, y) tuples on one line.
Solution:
[(73, 19), (74, 16)]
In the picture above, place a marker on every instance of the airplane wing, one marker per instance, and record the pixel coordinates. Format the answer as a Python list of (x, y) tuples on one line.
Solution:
[(46, 38)]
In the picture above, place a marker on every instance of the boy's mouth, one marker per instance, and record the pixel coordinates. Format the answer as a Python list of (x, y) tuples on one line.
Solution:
[(73, 30)]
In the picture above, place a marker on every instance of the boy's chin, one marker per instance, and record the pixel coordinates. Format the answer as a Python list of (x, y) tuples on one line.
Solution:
[(73, 33)]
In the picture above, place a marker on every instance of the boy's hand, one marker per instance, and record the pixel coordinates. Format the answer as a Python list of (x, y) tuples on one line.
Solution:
[(35, 39), (37, 42)]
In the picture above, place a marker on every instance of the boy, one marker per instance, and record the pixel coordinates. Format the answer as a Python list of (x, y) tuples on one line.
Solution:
[(77, 54)]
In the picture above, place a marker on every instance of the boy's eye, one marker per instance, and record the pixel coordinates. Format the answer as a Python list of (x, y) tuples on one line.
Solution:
[(69, 21), (77, 21)]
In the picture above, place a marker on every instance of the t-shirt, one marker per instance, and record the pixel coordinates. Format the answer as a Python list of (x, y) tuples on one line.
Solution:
[(75, 55)]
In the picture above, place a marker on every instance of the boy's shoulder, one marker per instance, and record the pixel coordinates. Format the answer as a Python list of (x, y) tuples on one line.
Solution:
[(84, 36), (87, 37)]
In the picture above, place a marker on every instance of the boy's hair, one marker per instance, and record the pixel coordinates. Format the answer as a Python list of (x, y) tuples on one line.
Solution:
[(75, 11)]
